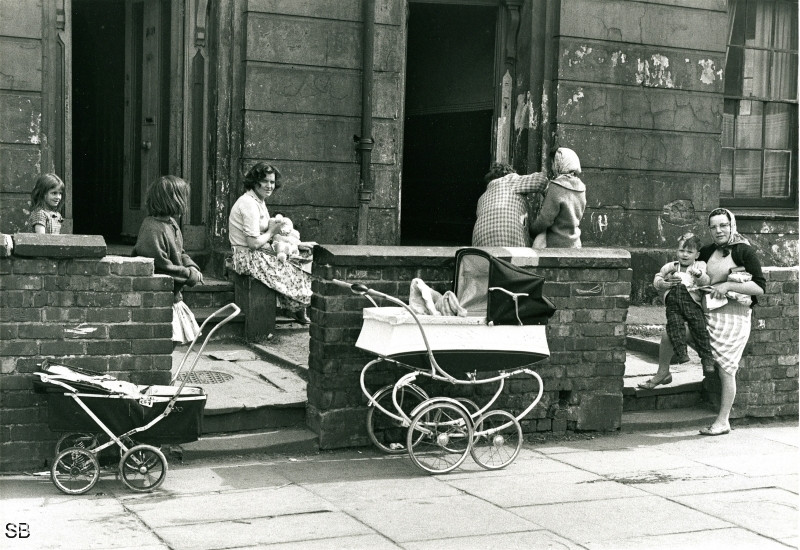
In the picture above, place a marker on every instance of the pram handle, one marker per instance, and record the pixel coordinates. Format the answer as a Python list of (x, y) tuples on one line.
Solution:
[(235, 311)]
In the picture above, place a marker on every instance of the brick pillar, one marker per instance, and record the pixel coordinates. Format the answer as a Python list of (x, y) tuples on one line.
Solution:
[(583, 377)]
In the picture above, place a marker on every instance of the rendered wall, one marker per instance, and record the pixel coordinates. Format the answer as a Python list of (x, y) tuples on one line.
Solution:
[(21, 108), (302, 107), (639, 97)]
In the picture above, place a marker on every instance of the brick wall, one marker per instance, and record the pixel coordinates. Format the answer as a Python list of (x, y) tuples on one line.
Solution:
[(583, 378), (103, 313), (767, 378)]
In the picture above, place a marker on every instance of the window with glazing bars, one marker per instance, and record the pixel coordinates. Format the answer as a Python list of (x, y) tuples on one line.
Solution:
[(759, 132)]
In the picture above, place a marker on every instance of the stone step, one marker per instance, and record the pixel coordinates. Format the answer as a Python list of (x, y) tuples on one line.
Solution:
[(689, 417), (282, 441), (245, 390), (685, 390)]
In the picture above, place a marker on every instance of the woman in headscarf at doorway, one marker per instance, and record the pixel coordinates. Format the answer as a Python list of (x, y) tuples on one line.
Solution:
[(558, 222)]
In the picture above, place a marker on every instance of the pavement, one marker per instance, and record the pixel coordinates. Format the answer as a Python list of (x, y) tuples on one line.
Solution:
[(670, 489)]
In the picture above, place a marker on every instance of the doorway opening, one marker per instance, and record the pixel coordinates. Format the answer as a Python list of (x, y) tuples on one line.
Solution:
[(98, 107), (449, 108), (120, 122)]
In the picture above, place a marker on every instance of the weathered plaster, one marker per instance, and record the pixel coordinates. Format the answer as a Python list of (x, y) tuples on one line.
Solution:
[(658, 76)]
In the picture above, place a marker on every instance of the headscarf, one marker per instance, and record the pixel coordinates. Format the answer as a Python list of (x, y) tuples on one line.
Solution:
[(566, 161), (735, 237)]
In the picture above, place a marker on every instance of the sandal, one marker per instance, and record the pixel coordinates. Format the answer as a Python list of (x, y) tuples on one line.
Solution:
[(652, 383), (711, 430)]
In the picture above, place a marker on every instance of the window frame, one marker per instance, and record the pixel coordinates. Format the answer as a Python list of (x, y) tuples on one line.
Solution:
[(789, 201)]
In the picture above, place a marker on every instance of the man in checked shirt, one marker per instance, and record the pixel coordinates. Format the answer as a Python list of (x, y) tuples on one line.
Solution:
[(502, 213)]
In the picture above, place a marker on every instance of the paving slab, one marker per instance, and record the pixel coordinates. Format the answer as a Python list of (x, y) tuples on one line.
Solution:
[(756, 464), (438, 518), (544, 489), (715, 539), (68, 522), (526, 540), (595, 521), (156, 512), (354, 542), (357, 494), (263, 530), (769, 512), (696, 480), (627, 461)]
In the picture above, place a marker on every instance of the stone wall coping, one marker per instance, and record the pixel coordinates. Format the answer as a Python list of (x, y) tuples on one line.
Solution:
[(39, 245), (423, 256)]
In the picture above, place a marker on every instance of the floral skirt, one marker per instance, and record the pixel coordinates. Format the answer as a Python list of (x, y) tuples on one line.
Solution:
[(292, 284)]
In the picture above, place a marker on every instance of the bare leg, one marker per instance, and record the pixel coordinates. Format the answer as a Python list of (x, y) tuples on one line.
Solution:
[(664, 357), (727, 395)]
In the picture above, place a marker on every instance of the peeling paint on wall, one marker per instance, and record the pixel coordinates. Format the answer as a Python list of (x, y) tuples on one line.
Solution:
[(599, 222), (679, 212), (580, 53), (654, 72), (524, 116), (617, 57), (35, 127), (573, 101), (707, 76)]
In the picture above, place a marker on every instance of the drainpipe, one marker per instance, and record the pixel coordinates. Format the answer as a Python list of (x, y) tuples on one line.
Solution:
[(365, 143), (552, 19)]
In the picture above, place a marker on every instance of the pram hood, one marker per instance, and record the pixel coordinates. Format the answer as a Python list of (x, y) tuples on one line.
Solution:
[(477, 271)]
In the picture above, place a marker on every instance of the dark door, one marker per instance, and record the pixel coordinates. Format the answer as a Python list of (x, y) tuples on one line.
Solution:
[(120, 77), (98, 78), (449, 109)]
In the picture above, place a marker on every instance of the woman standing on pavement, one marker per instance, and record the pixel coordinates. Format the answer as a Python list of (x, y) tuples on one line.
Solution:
[(728, 326)]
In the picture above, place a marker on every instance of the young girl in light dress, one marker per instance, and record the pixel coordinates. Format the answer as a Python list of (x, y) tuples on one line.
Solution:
[(160, 238), (46, 200)]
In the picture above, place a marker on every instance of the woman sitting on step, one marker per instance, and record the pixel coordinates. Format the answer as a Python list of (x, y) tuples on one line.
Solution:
[(250, 230)]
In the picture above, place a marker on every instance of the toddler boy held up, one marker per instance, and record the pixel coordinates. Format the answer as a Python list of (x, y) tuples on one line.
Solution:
[(679, 281)]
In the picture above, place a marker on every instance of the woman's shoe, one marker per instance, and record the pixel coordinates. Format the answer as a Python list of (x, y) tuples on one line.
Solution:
[(711, 430), (652, 383), (301, 317)]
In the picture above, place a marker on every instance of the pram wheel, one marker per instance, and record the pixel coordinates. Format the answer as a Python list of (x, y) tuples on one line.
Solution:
[(143, 468), (440, 437), (84, 440), (75, 471), (497, 440), (387, 433)]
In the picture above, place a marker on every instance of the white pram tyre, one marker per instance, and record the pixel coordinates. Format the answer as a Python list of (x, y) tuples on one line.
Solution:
[(440, 436), (387, 433), (75, 470), (84, 440), (497, 440), (143, 468)]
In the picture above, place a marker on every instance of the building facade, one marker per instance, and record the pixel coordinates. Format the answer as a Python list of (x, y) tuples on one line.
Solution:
[(384, 115)]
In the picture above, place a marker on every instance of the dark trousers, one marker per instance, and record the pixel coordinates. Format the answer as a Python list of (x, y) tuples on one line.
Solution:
[(682, 309)]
